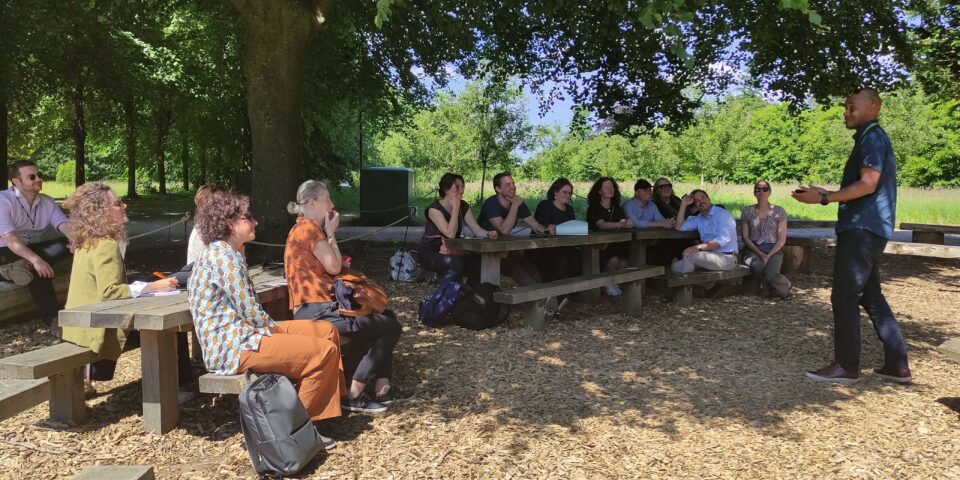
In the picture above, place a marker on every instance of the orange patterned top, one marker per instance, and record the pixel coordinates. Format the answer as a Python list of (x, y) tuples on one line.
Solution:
[(307, 280)]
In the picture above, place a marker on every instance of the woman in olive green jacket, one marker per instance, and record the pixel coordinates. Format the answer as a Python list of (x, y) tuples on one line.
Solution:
[(97, 216)]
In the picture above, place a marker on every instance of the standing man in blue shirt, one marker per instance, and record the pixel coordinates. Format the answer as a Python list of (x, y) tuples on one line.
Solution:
[(865, 219), (717, 249)]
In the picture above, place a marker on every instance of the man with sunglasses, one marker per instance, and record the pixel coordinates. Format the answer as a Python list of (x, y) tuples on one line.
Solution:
[(26, 255), (865, 220)]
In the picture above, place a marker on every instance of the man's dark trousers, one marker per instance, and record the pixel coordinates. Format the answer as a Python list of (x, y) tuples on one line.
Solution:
[(856, 282), (41, 289)]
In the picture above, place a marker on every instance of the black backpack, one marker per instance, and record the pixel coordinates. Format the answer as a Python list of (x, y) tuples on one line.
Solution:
[(476, 310)]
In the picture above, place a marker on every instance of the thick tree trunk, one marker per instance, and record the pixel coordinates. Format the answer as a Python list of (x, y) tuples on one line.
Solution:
[(4, 153), (277, 37), (79, 134), (163, 128), (130, 138), (202, 178), (185, 161)]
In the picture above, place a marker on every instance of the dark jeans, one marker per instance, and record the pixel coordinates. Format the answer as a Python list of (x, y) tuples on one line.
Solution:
[(381, 331), (452, 267), (41, 289), (856, 282), (102, 370)]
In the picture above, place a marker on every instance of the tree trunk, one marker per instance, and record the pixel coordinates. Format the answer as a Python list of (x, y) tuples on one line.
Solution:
[(185, 161), (278, 34), (163, 128), (130, 134), (202, 179), (4, 153), (79, 134)]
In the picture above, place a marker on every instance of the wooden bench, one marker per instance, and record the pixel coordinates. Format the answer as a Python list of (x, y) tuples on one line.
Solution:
[(951, 349), (680, 285), (923, 233), (63, 365), (19, 395), (530, 298), (116, 472), (796, 254), (232, 384)]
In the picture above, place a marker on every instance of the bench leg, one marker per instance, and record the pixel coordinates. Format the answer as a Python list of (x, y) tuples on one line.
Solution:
[(796, 259), (683, 295), (158, 360), (928, 237), (533, 314), (67, 402), (590, 263), (633, 298)]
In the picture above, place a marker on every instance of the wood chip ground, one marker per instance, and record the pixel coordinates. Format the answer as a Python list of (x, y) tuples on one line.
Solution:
[(715, 390)]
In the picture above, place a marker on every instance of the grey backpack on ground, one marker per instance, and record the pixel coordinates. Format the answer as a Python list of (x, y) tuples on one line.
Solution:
[(277, 429), (404, 267)]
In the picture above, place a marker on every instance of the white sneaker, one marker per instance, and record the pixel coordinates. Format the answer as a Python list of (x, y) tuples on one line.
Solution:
[(550, 308), (612, 291)]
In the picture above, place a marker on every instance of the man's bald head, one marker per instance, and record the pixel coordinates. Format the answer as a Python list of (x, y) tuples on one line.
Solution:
[(862, 106)]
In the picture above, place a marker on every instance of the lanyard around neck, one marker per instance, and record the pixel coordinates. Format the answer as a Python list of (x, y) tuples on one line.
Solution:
[(33, 218)]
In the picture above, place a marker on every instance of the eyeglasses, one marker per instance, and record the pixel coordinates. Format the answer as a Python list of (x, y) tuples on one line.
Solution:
[(35, 176), (761, 189), (664, 185)]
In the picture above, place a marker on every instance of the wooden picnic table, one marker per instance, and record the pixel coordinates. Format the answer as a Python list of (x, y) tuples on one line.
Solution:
[(158, 319), (491, 251)]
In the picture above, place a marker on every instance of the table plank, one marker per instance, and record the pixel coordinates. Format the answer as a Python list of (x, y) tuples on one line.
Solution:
[(118, 315), (509, 243)]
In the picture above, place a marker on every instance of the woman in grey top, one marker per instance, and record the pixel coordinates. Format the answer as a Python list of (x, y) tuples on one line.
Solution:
[(764, 230)]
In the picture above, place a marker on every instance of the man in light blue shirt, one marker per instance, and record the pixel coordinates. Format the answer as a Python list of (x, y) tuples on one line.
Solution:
[(718, 236), (641, 208)]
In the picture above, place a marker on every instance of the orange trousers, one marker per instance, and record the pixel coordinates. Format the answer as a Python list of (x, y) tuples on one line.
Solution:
[(307, 352)]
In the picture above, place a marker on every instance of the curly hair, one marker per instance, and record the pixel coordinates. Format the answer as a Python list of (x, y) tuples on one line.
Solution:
[(593, 198), (88, 219), (215, 214)]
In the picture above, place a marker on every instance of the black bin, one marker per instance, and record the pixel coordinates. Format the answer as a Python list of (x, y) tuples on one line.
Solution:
[(385, 193)]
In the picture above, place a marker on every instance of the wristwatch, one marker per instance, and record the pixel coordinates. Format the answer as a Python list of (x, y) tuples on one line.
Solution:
[(823, 199)]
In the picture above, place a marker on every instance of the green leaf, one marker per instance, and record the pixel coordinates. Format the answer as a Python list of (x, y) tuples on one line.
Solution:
[(814, 18), (383, 12)]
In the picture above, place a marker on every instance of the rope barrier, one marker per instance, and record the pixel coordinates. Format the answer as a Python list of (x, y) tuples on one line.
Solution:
[(345, 240), (151, 232)]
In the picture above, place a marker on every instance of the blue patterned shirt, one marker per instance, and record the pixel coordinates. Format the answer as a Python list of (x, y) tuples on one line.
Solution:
[(642, 215), (226, 314)]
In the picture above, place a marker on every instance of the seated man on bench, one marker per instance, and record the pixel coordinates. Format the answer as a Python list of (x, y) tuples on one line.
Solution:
[(718, 236), (25, 215)]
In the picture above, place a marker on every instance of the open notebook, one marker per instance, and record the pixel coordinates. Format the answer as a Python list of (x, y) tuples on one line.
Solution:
[(572, 227)]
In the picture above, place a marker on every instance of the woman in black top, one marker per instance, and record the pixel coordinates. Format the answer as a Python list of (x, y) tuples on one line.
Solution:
[(560, 262), (445, 219), (605, 213)]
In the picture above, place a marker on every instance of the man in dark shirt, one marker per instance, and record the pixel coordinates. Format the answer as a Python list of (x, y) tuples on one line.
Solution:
[(865, 219), (501, 212)]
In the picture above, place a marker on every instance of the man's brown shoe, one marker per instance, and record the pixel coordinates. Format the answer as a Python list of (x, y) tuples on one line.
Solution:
[(898, 375), (833, 373), (19, 272)]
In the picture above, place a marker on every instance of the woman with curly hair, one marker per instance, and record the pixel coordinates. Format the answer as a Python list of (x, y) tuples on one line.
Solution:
[(97, 216), (604, 212), (234, 331)]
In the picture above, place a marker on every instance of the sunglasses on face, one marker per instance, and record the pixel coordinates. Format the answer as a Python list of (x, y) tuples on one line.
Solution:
[(35, 176), (761, 189), (665, 185)]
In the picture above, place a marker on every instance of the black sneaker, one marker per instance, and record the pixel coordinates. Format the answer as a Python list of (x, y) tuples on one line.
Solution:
[(394, 395), (328, 443), (362, 404)]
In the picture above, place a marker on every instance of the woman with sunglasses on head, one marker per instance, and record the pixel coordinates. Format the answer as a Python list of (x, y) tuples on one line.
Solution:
[(236, 334), (97, 218), (668, 202), (764, 230), (312, 260), (604, 212)]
